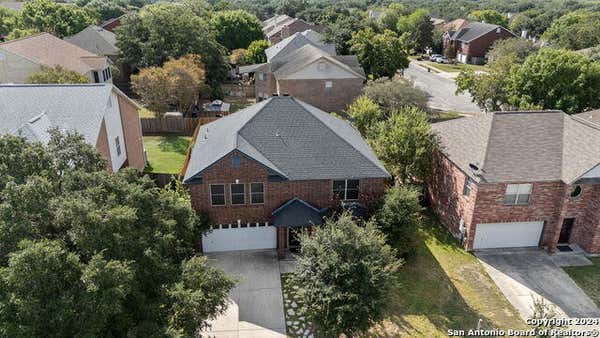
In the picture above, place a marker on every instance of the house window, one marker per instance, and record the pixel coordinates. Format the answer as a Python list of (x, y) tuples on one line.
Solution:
[(238, 195), (576, 191), (261, 76), (346, 189), (217, 194), (118, 145), (96, 77), (236, 162), (328, 84), (517, 194), (257, 193), (321, 66), (467, 186)]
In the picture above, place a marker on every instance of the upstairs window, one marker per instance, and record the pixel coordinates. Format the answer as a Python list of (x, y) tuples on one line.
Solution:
[(118, 145), (467, 186), (236, 162), (238, 194), (346, 189), (261, 76), (217, 194), (257, 193), (517, 194), (328, 84), (96, 77)]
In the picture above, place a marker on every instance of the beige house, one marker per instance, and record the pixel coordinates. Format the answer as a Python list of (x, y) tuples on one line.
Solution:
[(21, 58), (96, 40)]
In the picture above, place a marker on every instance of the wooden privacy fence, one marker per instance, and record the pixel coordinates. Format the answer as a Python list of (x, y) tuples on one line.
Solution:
[(173, 125)]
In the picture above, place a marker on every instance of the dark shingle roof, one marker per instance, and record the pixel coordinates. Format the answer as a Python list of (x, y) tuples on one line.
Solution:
[(294, 42), (521, 146), (291, 138), (474, 30), (297, 213)]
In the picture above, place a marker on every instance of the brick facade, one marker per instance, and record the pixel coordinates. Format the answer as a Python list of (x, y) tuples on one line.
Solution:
[(476, 50), (296, 26), (318, 193), (550, 202)]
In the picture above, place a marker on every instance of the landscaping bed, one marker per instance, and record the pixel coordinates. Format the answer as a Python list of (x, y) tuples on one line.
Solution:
[(166, 154), (587, 278), (455, 68)]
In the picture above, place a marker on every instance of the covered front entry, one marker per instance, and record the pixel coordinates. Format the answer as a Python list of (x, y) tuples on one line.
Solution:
[(237, 237), (291, 219), (507, 235)]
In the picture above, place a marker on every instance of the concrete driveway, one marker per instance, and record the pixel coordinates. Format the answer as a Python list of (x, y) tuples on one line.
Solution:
[(520, 274), (256, 303), (441, 90)]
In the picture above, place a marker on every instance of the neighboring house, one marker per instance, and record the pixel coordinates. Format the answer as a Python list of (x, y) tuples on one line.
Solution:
[(96, 40), (304, 67), (21, 58), (280, 27), (519, 179), (112, 24), (437, 21), (105, 117), (274, 168), (454, 25), (473, 41), (592, 116)]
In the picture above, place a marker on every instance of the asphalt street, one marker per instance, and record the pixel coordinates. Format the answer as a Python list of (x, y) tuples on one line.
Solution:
[(441, 91)]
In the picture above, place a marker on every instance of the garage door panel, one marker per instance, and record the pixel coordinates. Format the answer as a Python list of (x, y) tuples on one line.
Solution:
[(507, 235), (236, 239)]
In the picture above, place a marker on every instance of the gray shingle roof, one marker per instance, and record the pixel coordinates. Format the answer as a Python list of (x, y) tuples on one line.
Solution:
[(297, 213), (291, 138), (30, 110), (474, 30), (296, 41), (524, 146), (96, 40)]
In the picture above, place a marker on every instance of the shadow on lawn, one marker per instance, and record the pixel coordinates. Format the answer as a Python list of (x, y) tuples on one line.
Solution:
[(174, 144), (426, 290)]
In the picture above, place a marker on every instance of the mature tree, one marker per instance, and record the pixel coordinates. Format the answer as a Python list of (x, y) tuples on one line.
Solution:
[(8, 20), (236, 29), (489, 16), (239, 57), (57, 74), (389, 17), (106, 9), (516, 48), (419, 27), (556, 79), (290, 7), (399, 217), (256, 52), (88, 253), (380, 54), (18, 33), (405, 144), (339, 32), (344, 276), (55, 18), (364, 113), (593, 53), (163, 31), (177, 84), (201, 8), (519, 23), (576, 30), (395, 93), (488, 90)]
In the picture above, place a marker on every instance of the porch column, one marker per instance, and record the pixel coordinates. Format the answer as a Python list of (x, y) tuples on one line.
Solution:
[(281, 241)]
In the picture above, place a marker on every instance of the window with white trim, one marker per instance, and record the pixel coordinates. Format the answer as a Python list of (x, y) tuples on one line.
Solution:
[(257, 193), (238, 194), (217, 194), (467, 186), (261, 76), (328, 84), (118, 145), (517, 194), (346, 189)]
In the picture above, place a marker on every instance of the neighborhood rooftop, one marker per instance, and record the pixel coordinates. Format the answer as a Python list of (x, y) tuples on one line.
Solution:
[(293, 139), (96, 40), (296, 41), (521, 146), (473, 30)]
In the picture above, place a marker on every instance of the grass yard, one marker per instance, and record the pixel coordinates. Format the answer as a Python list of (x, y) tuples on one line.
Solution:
[(166, 154), (588, 278), (455, 68), (443, 287)]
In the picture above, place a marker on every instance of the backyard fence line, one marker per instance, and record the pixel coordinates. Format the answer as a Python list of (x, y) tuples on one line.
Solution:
[(173, 125)]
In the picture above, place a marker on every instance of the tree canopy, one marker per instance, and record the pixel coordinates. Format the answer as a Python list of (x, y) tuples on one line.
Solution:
[(55, 18), (236, 29), (489, 16), (344, 276), (419, 27), (395, 93), (57, 74), (256, 52), (576, 30), (516, 48), (88, 253), (380, 54)]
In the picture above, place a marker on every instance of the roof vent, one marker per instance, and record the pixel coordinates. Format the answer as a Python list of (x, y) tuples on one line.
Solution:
[(475, 168), (275, 94), (285, 94)]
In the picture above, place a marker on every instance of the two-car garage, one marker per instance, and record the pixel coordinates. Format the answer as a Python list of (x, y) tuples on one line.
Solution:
[(507, 235)]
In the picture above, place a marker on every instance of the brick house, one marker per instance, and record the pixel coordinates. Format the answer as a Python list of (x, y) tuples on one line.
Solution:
[(101, 113), (304, 67), (472, 42), (519, 179), (276, 167), (282, 26)]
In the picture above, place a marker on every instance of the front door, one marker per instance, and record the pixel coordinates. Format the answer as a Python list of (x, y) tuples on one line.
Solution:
[(565, 231)]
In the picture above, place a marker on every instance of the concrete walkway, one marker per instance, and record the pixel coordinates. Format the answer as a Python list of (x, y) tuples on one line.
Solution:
[(256, 303), (524, 274)]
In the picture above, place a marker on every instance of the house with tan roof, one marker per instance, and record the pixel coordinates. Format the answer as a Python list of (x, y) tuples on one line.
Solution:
[(21, 58), (519, 179), (96, 40), (282, 26)]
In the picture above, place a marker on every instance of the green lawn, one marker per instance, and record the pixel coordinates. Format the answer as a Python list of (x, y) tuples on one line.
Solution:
[(443, 287), (588, 278), (455, 68), (166, 154)]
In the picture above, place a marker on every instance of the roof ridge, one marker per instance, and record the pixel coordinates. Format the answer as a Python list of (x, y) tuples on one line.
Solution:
[(24, 38), (487, 143)]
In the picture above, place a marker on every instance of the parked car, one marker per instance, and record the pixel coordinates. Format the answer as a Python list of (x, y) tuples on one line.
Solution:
[(442, 59), (433, 57)]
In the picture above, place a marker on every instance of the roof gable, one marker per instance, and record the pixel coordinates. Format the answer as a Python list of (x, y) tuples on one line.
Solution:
[(95, 40), (475, 30)]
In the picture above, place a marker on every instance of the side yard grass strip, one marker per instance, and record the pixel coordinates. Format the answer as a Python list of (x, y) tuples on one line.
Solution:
[(166, 154), (587, 278)]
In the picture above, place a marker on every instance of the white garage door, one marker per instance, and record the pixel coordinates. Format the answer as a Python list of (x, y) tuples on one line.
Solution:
[(226, 238), (507, 235)]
